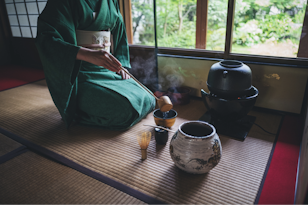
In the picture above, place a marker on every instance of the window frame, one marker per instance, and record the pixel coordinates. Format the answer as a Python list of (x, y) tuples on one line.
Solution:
[(200, 53), (19, 26)]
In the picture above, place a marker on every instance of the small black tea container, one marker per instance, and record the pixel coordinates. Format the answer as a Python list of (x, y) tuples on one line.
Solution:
[(161, 136)]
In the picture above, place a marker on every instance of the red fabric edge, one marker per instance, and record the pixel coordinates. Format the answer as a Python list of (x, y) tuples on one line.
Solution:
[(13, 75), (280, 181)]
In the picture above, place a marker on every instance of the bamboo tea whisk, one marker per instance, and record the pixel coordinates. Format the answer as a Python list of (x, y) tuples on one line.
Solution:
[(144, 141)]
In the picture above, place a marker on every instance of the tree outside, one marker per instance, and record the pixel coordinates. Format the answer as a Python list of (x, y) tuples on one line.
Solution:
[(261, 27)]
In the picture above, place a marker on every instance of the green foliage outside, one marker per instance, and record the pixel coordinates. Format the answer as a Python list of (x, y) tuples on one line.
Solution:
[(256, 22)]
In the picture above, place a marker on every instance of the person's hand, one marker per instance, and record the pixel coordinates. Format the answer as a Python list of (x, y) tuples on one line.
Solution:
[(100, 58), (124, 75), (107, 44)]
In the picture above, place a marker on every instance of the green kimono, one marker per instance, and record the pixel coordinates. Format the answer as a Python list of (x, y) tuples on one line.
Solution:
[(82, 91)]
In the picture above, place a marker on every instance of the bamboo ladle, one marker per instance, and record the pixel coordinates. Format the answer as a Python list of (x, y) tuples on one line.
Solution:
[(164, 102)]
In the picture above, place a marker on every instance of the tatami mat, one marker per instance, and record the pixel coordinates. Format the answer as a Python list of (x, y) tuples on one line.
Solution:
[(33, 179), (29, 112)]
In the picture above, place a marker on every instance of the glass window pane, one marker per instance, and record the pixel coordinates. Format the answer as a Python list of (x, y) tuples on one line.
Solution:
[(23, 20), (10, 8), (216, 25), (13, 20), (26, 32), (176, 23), (33, 20), (19, 1), (21, 8), (143, 22), (271, 28), (32, 8), (34, 31), (8, 1), (41, 6), (16, 32)]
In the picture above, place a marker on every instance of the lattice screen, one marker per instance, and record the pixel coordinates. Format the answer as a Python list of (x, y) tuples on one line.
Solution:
[(23, 15)]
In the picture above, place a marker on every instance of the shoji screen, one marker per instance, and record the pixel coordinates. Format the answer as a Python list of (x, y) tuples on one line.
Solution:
[(23, 15)]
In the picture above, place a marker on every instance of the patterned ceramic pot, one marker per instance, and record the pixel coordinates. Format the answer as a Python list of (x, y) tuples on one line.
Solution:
[(195, 147)]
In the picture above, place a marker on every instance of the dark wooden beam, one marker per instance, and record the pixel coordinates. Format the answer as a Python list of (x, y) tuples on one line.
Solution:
[(5, 36), (229, 31), (303, 43)]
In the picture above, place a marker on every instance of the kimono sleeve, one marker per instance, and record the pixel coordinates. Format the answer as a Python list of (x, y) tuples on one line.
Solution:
[(56, 44), (120, 43)]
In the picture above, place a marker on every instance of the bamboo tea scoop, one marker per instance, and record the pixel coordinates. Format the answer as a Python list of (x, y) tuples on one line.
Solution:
[(161, 128), (164, 102)]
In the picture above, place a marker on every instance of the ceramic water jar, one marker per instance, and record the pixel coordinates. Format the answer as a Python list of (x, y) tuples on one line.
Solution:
[(195, 147)]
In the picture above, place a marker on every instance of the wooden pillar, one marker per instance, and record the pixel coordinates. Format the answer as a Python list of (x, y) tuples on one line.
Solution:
[(201, 24), (121, 7), (128, 20)]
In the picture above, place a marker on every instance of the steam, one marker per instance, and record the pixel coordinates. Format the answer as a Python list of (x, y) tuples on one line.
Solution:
[(175, 80), (145, 68), (171, 75), (169, 78)]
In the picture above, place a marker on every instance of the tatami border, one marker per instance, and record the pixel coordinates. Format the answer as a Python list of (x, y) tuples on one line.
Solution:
[(268, 162), (12, 154), (67, 162)]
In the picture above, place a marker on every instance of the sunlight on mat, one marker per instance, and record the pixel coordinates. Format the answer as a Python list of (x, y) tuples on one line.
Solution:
[(29, 112)]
